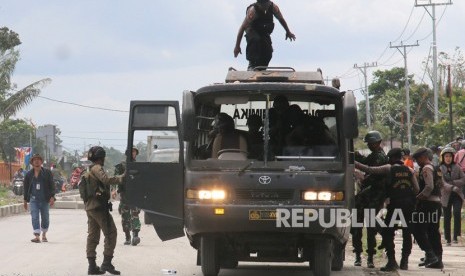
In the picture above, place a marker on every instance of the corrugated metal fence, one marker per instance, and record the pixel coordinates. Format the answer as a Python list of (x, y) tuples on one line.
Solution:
[(6, 173)]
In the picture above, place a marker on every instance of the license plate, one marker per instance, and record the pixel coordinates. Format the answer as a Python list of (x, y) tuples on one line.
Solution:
[(262, 214)]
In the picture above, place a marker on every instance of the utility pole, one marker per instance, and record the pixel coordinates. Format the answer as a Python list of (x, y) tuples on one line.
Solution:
[(433, 4), (363, 69), (449, 94), (407, 86)]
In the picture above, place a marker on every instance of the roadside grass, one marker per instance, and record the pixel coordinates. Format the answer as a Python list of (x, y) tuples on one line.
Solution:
[(7, 197)]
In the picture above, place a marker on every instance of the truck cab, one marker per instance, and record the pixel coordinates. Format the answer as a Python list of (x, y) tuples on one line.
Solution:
[(265, 192)]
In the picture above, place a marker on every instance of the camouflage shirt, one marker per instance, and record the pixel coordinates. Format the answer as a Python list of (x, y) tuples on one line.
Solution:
[(373, 186), (119, 170)]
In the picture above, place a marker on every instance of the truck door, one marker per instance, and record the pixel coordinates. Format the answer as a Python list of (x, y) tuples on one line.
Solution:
[(154, 181)]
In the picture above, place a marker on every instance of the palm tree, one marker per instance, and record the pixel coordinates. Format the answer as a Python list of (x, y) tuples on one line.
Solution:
[(11, 98)]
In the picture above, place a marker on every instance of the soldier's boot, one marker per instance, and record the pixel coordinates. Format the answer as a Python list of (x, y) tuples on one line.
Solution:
[(438, 264), (430, 259), (404, 263), (135, 238), (391, 264), (358, 260), (370, 263), (107, 266), (93, 268), (128, 238)]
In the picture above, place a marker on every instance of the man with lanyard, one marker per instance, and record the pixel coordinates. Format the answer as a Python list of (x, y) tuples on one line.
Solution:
[(371, 196), (39, 191), (428, 210), (258, 25), (129, 215), (400, 190)]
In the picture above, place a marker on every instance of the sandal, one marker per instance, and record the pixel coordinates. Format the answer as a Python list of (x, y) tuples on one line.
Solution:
[(36, 240), (44, 239)]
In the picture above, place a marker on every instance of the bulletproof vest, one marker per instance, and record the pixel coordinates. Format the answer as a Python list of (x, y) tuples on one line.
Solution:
[(263, 22), (422, 183), (400, 185)]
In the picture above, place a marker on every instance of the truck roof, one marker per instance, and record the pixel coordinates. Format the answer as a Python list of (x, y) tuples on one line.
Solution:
[(275, 74)]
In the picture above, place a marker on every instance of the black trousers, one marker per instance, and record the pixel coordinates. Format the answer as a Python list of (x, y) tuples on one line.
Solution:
[(454, 205), (406, 207), (259, 50), (425, 222), (357, 235)]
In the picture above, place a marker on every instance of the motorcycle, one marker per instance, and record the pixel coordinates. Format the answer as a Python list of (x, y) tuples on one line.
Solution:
[(18, 186)]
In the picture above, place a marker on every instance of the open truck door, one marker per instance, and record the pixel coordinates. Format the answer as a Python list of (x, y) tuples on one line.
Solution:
[(154, 181)]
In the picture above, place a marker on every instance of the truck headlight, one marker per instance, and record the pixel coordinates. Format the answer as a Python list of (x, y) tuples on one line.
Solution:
[(323, 195), (206, 194)]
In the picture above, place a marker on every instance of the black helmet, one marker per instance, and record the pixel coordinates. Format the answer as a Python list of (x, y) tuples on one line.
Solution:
[(96, 153), (395, 153), (373, 137), (448, 150)]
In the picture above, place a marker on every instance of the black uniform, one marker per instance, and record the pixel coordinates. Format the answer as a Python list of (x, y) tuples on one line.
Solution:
[(400, 191), (259, 48)]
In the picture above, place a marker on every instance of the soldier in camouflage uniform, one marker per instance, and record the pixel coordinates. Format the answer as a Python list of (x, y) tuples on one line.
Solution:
[(130, 215), (371, 196), (98, 210)]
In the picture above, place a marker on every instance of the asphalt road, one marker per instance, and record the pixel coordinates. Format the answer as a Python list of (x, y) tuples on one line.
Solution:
[(64, 254)]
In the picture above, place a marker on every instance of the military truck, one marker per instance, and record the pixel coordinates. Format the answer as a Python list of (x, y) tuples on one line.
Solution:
[(251, 201)]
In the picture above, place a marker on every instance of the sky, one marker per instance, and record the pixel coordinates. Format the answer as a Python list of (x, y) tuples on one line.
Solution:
[(105, 53)]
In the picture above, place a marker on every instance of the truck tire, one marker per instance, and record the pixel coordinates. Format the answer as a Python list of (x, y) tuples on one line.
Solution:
[(209, 256), (338, 256), (322, 257)]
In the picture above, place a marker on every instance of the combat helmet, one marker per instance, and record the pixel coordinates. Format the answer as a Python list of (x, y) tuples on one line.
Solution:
[(96, 153), (372, 137)]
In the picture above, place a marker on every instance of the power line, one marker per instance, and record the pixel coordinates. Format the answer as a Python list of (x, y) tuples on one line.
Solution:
[(81, 105)]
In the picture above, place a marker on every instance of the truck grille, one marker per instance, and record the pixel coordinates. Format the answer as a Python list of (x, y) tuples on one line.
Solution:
[(259, 194)]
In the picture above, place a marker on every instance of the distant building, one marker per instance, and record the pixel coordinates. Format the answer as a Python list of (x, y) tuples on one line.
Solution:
[(46, 133)]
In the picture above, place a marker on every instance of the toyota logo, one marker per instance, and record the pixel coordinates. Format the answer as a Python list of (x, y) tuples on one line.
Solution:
[(264, 179)]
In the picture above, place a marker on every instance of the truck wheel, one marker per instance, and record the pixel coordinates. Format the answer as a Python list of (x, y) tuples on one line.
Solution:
[(209, 256), (338, 256), (322, 257)]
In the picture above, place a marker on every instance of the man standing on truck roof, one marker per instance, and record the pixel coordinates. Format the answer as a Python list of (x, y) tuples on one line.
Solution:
[(371, 196), (258, 25)]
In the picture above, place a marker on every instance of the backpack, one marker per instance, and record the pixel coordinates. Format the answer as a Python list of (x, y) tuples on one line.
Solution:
[(85, 189)]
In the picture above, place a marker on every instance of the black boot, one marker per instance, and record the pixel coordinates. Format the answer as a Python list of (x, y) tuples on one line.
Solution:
[(404, 263), (128, 238), (107, 266), (370, 263), (430, 259), (93, 268), (135, 238), (391, 264), (438, 264), (358, 260)]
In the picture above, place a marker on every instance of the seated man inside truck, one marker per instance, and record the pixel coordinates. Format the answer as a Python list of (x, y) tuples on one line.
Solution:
[(308, 137), (228, 138), (255, 136)]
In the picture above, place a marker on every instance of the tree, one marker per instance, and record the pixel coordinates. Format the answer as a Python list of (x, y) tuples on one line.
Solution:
[(14, 133), (12, 99)]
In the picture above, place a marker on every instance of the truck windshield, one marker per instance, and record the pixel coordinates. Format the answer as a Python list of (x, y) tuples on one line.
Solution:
[(273, 129)]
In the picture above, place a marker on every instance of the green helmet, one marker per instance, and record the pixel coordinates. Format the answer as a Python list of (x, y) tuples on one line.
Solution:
[(373, 137), (447, 150)]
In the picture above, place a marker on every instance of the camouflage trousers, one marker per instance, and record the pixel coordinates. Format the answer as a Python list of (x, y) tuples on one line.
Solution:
[(129, 217)]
